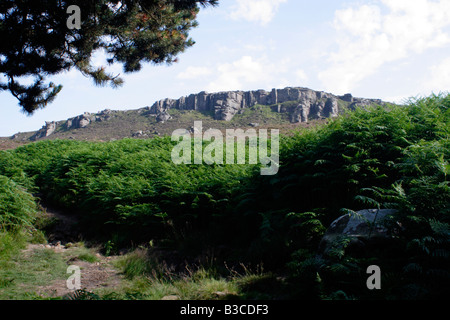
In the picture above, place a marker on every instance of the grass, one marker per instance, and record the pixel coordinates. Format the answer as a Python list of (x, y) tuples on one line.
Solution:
[(260, 114), (381, 157), (150, 279), (24, 273), (79, 251), (200, 285)]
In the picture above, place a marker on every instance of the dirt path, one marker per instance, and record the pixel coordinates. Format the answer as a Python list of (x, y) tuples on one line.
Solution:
[(94, 275), (100, 274)]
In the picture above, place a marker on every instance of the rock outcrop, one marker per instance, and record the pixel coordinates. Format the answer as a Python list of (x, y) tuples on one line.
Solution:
[(86, 118), (80, 121), (77, 122), (367, 228), (309, 104), (301, 104), (163, 116), (45, 131)]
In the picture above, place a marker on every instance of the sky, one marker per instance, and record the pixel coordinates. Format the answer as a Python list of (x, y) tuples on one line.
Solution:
[(384, 49)]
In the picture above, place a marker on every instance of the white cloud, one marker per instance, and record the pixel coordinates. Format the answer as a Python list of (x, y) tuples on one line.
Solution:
[(246, 72), (194, 73), (233, 76), (369, 36), (250, 72), (259, 11), (301, 75), (439, 80)]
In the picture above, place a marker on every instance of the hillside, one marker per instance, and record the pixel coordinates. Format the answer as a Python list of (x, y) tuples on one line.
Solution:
[(284, 109), (162, 230)]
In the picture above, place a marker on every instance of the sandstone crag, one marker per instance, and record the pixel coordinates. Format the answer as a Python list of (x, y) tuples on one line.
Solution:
[(309, 104), (301, 104)]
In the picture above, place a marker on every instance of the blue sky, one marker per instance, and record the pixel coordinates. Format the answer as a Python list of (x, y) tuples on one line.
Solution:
[(388, 49)]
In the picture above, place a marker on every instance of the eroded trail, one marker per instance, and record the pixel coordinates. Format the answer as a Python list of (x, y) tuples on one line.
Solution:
[(97, 271)]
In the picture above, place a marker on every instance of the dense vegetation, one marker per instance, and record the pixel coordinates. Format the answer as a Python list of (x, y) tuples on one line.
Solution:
[(129, 193)]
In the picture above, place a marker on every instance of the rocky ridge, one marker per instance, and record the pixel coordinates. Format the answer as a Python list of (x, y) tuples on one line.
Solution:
[(300, 104), (77, 122), (224, 106)]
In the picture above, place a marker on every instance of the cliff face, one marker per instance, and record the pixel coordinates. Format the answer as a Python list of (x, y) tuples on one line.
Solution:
[(46, 130), (309, 104), (300, 104)]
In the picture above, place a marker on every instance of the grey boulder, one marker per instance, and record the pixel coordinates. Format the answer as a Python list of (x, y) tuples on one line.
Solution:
[(365, 230)]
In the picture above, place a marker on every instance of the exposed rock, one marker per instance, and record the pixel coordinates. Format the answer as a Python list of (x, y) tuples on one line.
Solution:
[(347, 97), (365, 228), (80, 121), (104, 115), (224, 295), (87, 118), (225, 105), (84, 122), (194, 130), (331, 108), (170, 298), (138, 134), (301, 113), (163, 116), (50, 127), (45, 131), (301, 104), (141, 134), (362, 103)]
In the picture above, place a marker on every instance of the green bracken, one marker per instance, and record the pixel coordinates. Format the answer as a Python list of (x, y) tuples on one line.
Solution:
[(128, 193)]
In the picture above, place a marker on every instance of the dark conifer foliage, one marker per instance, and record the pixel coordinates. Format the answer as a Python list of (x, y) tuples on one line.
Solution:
[(36, 42)]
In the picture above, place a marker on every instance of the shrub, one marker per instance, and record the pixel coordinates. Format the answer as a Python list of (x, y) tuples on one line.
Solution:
[(130, 191), (17, 207)]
